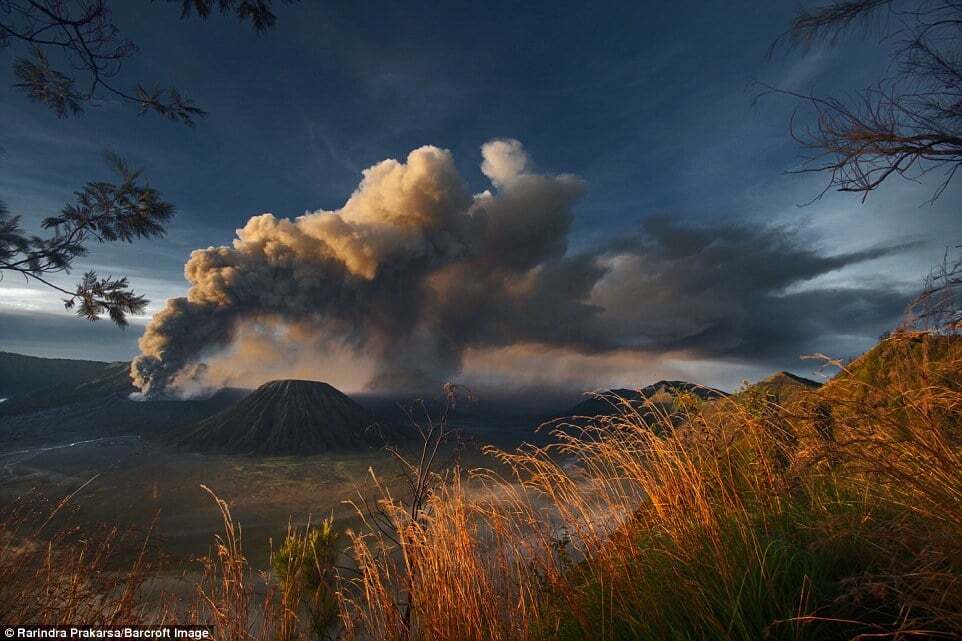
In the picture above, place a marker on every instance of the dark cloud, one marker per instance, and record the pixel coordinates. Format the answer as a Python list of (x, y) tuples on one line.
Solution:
[(735, 290)]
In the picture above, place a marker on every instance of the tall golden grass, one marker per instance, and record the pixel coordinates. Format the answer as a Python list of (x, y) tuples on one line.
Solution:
[(836, 514), (751, 519)]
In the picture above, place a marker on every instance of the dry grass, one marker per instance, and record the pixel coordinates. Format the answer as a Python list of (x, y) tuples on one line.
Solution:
[(835, 516), (67, 578), (752, 520)]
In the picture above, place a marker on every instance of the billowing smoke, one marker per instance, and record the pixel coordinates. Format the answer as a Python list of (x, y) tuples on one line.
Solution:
[(415, 272), (378, 274)]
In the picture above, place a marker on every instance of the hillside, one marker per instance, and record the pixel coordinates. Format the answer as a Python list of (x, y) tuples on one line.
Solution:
[(62, 400), (109, 415), (908, 359), (842, 523), (782, 387), (286, 417), (110, 380), (617, 401), (21, 374)]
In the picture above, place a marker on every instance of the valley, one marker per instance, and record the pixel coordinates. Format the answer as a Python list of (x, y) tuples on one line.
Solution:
[(139, 473)]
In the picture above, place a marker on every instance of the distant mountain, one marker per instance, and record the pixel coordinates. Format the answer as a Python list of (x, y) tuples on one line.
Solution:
[(109, 415), (20, 375), (783, 386), (286, 417), (110, 380), (54, 400), (617, 401)]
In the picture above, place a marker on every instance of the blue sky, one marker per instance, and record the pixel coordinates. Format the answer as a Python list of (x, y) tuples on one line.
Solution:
[(652, 104)]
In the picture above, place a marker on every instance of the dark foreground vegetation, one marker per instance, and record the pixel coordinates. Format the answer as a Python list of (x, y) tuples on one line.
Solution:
[(803, 513)]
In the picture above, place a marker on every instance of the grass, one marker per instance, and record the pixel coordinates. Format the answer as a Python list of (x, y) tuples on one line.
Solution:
[(751, 521), (835, 515)]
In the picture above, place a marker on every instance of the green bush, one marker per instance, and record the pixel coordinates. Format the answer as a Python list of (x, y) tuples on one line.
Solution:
[(304, 566)]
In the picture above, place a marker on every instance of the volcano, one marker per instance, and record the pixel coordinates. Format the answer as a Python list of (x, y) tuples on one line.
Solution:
[(283, 418), (617, 401), (784, 387)]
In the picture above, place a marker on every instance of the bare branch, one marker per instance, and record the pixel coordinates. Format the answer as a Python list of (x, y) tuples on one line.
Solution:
[(908, 125)]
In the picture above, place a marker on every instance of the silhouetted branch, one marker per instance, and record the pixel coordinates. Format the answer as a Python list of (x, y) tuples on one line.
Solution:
[(257, 12), (90, 50)]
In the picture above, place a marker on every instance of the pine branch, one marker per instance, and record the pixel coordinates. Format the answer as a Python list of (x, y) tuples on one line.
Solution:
[(102, 212)]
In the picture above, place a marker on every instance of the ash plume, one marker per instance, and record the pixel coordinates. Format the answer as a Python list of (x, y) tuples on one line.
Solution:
[(376, 273), (415, 272)]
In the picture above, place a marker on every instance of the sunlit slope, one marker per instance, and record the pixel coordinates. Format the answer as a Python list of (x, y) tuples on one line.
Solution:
[(662, 393)]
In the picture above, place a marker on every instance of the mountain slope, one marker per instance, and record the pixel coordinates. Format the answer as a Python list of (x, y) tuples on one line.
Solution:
[(110, 381), (912, 359), (282, 418), (783, 387), (109, 415), (20, 375), (616, 401)]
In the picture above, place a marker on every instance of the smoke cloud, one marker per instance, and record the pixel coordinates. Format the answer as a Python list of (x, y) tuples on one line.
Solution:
[(415, 271), (376, 274)]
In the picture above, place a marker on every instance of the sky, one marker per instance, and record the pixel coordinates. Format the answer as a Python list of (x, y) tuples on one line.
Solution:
[(683, 252)]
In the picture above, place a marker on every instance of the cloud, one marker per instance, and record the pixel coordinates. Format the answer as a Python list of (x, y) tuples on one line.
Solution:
[(415, 271)]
